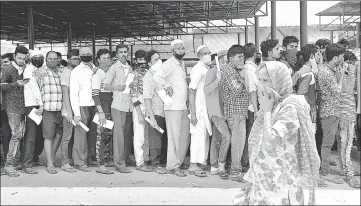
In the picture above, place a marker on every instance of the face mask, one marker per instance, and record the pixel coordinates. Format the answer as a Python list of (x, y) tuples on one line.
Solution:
[(86, 58), (37, 62), (142, 65), (258, 60), (207, 59), (155, 67), (178, 56), (291, 56), (51, 64)]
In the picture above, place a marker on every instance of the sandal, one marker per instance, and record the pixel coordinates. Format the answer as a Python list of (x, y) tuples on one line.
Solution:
[(197, 172), (3, 171), (184, 167), (51, 170), (223, 175), (84, 168), (337, 181), (38, 163), (123, 170), (143, 168), (352, 182), (160, 170), (29, 171), (333, 163), (109, 164), (237, 178), (324, 172), (11, 173), (321, 183), (56, 164), (104, 172), (68, 170), (180, 173)]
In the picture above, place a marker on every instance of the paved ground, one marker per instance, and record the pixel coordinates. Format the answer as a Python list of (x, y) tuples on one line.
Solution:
[(139, 188)]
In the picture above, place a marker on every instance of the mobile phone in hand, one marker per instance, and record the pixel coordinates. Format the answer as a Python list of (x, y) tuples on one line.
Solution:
[(26, 79)]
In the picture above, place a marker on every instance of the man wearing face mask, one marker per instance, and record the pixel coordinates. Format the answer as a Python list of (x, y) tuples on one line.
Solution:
[(236, 101), (12, 83), (33, 99), (290, 45), (141, 143), (155, 112), (200, 127), (172, 77), (330, 82), (258, 58), (271, 50), (82, 104)]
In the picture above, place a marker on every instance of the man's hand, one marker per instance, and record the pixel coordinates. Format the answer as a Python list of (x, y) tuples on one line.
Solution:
[(120, 88), (102, 119), (153, 122), (194, 120), (39, 111), (77, 120), (141, 119), (22, 82), (69, 115), (169, 91)]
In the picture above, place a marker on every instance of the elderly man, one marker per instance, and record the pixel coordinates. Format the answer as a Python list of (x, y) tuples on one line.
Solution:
[(200, 127), (33, 100), (172, 77), (82, 103)]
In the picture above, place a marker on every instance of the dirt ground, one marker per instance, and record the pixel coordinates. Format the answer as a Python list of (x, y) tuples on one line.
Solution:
[(140, 188)]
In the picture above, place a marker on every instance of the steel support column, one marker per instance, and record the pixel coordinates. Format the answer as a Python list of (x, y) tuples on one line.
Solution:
[(110, 44), (131, 54), (273, 20), (358, 34), (31, 28), (331, 36), (94, 52), (303, 23), (245, 34), (239, 38), (70, 39), (256, 32)]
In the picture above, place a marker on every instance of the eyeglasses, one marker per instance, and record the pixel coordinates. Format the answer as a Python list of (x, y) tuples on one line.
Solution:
[(75, 59), (52, 59)]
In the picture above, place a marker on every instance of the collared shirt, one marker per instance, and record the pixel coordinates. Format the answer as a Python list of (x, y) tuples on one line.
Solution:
[(234, 92), (97, 80), (212, 90), (330, 91), (81, 88), (136, 87), (173, 73), (305, 84), (50, 88), (150, 92), (250, 69), (116, 76), (19, 68), (32, 95)]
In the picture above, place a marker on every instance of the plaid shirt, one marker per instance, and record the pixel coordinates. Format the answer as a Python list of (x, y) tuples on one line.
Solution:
[(50, 88), (234, 92), (150, 92)]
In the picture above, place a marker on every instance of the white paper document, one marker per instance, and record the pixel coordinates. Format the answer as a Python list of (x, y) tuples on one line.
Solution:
[(217, 63), (128, 82), (157, 127), (108, 124), (165, 97), (36, 118), (82, 125)]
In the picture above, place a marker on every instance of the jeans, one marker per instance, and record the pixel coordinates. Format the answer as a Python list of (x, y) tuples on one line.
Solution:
[(17, 124), (249, 122), (221, 139), (237, 125), (329, 127), (31, 133), (65, 140)]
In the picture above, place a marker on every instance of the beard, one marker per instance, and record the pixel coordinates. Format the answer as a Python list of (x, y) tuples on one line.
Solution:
[(178, 56)]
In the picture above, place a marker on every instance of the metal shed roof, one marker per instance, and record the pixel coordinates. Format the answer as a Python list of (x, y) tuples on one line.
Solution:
[(344, 8), (118, 19)]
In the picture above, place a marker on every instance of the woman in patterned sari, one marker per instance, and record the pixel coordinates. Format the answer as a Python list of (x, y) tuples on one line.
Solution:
[(283, 154)]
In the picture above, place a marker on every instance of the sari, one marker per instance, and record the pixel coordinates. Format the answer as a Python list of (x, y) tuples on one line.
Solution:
[(279, 176)]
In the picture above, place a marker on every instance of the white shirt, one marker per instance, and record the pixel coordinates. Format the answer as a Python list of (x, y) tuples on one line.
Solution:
[(98, 79), (174, 74), (250, 69), (81, 88), (32, 95), (198, 76)]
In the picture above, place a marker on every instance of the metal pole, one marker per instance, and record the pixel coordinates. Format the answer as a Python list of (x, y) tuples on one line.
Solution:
[(239, 38), (256, 32), (70, 39), (357, 35), (131, 54), (331, 36), (110, 44), (273, 19), (303, 23), (245, 34), (31, 28), (93, 42)]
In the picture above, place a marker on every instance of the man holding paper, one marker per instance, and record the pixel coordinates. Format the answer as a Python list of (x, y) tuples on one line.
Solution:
[(121, 108), (50, 88), (172, 77), (155, 111), (82, 104)]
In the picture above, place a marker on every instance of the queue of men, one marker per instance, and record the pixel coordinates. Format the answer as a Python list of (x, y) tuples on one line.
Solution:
[(159, 114)]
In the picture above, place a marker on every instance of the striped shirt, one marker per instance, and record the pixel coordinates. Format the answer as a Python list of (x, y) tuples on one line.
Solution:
[(347, 100), (50, 88), (116, 76)]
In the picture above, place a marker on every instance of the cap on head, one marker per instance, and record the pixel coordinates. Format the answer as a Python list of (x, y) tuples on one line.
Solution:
[(85, 51), (222, 53), (177, 41), (33, 53), (200, 48)]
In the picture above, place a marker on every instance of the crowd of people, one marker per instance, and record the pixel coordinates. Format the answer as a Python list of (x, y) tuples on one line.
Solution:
[(268, 119)]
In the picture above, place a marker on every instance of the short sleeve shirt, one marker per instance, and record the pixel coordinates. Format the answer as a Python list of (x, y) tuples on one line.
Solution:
[(65, 77)]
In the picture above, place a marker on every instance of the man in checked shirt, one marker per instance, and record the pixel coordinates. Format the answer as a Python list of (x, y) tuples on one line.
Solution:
[(236, 101)]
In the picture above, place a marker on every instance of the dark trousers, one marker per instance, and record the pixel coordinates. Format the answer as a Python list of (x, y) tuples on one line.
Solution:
[(249, 124), (358, 130), (6, 134), (156, 145), (32, 131), (319, 135)]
